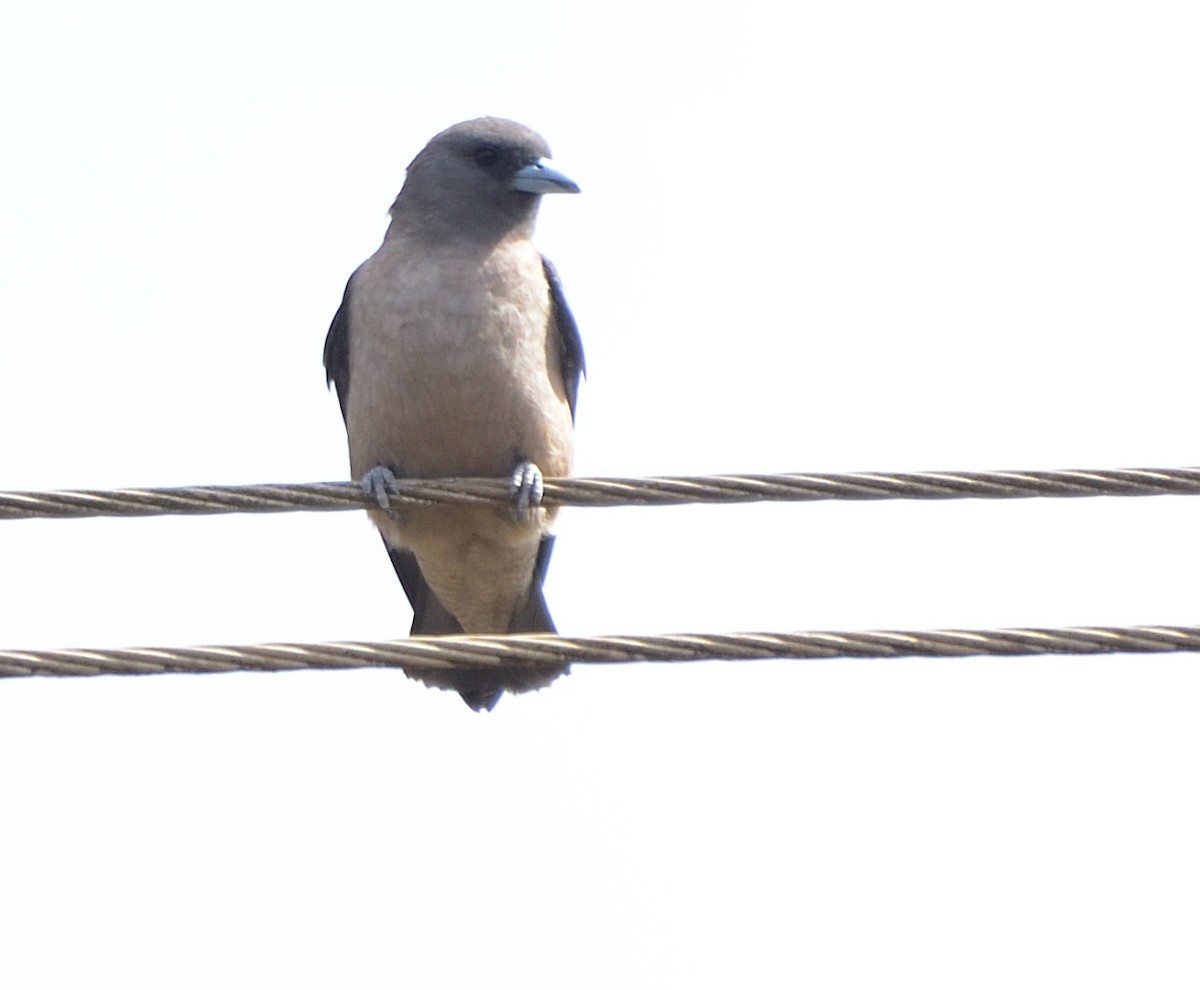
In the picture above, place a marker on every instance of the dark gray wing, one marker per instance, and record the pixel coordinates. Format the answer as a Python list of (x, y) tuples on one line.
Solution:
[(430, 616), (337, 350), (571, 345)]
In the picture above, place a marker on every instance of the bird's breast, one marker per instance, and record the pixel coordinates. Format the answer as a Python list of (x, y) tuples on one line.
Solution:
[(454, 364)]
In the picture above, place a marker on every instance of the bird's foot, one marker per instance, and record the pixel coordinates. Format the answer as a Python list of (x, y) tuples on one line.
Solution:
[(525, 488), (376, 484)]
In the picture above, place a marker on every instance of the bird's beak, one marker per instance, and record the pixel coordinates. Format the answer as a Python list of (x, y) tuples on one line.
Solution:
[(540, 179)]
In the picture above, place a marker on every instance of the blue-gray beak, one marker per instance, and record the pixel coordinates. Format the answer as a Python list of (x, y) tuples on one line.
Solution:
[(540, 179)]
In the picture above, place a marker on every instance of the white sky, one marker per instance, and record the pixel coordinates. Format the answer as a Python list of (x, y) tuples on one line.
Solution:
[(814, 237)]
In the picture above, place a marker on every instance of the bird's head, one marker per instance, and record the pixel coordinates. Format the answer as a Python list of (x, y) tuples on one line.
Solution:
[(482, 177)]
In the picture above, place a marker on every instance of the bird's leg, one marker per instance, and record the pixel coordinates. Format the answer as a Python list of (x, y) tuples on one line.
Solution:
[(376, 483), (525, 488)]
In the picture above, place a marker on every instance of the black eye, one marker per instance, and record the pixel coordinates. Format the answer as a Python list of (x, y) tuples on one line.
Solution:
[(487, 156)]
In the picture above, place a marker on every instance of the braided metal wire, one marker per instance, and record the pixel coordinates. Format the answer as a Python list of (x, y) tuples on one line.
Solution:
[(333, 496), (495, 651)]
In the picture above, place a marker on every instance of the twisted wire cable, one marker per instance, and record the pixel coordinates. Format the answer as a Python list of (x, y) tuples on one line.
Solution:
[(505, 651), (872, 486)]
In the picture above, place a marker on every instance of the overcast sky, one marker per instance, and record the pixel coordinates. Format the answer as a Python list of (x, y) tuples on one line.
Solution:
[(812, 237)]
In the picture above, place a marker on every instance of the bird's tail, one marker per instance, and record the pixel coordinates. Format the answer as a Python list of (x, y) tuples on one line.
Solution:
[(480, 688)]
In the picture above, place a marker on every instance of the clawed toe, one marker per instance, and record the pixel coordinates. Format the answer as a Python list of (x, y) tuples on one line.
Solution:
[(526, 488), (377, 482)]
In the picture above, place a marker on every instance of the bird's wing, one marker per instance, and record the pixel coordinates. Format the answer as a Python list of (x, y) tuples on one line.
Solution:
[(570, 344), (430, 616), (337, 350)]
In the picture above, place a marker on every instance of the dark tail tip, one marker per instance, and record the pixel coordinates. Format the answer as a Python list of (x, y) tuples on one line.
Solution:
[(482, 697)]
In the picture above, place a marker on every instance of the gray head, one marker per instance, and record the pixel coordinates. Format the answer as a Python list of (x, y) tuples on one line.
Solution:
[(482, 178)]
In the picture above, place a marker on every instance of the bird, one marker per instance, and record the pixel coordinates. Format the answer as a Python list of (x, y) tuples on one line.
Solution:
[(454, 354)]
